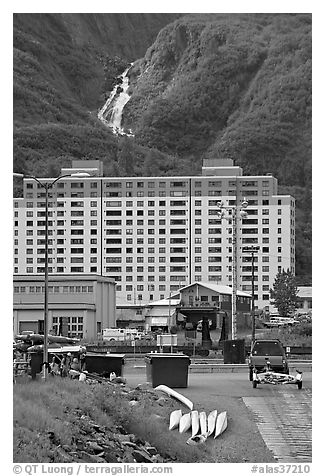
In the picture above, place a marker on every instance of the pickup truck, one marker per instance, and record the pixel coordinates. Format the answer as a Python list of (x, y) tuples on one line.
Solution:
[(267, 351)]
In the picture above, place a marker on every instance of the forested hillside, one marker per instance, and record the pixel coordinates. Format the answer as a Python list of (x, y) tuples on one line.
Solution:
[(64, 67), (209, 85), (235, 86)]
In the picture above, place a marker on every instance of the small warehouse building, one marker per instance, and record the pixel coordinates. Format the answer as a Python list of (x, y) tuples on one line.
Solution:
[(213, 301), (79, 306), (161, 315), (305, 300)]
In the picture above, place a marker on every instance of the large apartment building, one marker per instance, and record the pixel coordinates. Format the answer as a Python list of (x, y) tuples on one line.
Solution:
[(154, 235)]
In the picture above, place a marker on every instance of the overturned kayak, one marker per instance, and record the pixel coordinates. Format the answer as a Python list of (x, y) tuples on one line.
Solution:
[(174, 419), (195, 422), (212, 418), (203, 423), (178, 396), (185, 423), (221, 424)]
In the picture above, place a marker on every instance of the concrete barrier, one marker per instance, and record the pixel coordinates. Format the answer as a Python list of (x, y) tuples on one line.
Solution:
[(215, 367), (236, 368)]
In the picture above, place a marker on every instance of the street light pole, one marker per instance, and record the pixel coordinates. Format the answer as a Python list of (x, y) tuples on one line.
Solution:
[(47, 186), (252, 249), (46, 283), (234, 275), (234, 219)]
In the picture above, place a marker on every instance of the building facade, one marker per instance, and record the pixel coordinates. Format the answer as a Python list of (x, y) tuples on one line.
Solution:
[(154, 235), (84, 304), (305, 300), (214, 302)]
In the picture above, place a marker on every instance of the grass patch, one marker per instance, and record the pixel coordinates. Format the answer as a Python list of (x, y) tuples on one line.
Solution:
[(63, 407)]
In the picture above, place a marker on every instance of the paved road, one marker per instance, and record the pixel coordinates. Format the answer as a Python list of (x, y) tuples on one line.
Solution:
[(282, 413)]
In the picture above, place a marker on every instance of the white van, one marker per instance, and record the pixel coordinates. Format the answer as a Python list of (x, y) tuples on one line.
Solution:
[(280, 321), (115, 334)]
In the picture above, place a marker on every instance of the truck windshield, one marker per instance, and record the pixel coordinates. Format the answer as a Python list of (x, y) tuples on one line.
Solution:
[(267, 348)]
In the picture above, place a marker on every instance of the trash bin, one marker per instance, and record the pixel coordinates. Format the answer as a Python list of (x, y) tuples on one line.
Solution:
[(36, 360), (167, 369), (104, 364), (234, 351)]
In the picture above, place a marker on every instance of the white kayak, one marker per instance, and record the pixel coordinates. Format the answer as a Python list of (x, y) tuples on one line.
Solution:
[(178, 396), (195, 422), (203, 423), (174, 419), (185, 423), (212, 418), (221, 424)]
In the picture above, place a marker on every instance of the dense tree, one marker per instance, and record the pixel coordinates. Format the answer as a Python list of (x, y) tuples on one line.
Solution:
[(284, 293), (125, 158)]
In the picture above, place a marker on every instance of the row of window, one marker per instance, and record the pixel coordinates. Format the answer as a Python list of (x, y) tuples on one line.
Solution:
[(153, 184), (139, 297), (53, 289), (140, 204)]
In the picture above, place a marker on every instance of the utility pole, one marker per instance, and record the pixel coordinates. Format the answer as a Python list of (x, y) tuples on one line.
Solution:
[(237, 212), (234, 275), (252, 249)]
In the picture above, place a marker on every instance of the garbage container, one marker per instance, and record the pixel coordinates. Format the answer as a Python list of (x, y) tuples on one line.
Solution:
[(167, 369), (234, 351), (104, 364), (36, 359)]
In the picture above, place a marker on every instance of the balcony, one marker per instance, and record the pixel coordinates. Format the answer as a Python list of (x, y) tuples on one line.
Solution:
[(200, 305)]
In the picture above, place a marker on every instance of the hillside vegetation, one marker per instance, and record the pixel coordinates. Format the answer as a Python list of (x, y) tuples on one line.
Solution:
[(64, 67), (210, 85)]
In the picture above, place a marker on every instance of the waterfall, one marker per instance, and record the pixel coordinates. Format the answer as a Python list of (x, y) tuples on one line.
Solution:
[(111, 113)]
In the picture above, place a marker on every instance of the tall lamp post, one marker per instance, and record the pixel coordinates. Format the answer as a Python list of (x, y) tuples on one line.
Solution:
[(236, 212), (252, 249), (47, 186)]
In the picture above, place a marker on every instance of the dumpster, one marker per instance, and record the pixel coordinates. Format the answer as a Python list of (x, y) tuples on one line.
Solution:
[(36, 360), (104, 364), (234, 351), (167, 369)]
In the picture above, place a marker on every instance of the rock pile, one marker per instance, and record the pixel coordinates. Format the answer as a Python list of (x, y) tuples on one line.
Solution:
[(96, 443)]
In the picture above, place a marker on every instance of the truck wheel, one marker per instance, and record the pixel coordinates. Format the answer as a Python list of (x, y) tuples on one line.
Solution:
[(299, 385), (250, 375), (254, 383)]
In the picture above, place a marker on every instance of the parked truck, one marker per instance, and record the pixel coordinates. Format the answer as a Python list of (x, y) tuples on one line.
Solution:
[(116, 334)]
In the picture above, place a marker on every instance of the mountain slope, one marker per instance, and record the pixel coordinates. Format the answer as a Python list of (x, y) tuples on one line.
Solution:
[(229, 85), (234, 86), (211, 85), (64, 66)]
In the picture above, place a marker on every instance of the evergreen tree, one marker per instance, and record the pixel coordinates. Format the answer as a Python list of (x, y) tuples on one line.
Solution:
[(125, 157), (152, 163), (284, 292)]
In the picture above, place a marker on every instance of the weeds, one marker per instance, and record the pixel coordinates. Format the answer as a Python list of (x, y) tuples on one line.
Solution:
[(57, 406)]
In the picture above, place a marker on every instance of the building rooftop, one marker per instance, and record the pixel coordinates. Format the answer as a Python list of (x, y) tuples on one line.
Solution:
[(304, 291), (218, 288)]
